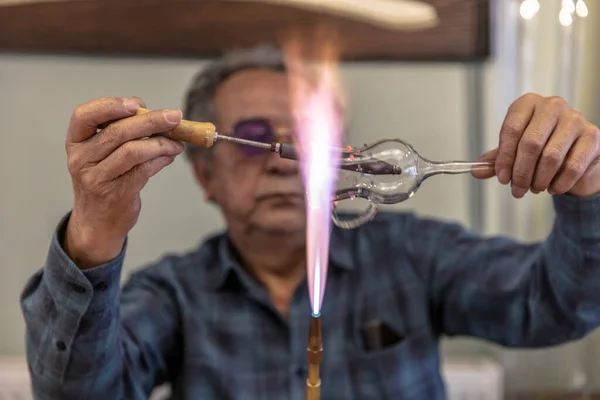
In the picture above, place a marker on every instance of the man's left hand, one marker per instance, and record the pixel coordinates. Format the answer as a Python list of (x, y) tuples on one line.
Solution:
[(546, 145)]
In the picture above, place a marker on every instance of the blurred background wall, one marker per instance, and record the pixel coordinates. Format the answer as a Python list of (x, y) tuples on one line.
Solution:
[(430, 105)]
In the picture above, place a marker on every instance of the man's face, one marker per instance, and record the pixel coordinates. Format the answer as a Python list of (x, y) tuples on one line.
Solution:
[(261, 192)]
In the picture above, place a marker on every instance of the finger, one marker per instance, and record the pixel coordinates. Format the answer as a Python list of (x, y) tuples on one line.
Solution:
[(530, 148), (139, 175), (86, 117), (517, 118), (554, 153), (132, 128), (576, 163), (488, 172), (136, 152), (588, 183), (140, 102)]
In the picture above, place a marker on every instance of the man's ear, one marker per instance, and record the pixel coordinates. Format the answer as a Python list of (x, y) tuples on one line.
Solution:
[(203, 175)]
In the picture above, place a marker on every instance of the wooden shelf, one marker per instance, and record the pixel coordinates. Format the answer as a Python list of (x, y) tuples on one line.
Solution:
[(204, 28)]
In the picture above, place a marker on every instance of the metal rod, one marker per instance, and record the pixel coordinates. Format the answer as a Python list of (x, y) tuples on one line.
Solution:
[(252, 143), (315, 355), (476, 125)]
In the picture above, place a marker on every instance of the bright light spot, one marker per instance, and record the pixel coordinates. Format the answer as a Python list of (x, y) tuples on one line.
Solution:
[(316, 299), (529, 8), (568, 5), (565, 17), (581, 9)]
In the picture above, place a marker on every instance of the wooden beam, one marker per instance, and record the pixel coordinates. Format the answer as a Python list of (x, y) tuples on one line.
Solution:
[(205, 28)]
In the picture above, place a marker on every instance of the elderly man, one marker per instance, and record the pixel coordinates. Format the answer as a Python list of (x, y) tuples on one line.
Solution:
[(229, 319)]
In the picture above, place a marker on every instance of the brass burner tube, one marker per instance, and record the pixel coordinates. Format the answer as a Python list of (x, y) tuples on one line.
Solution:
[(315, 355)]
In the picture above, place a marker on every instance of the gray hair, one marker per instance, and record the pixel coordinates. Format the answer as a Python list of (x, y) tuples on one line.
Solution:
[(199, 105)]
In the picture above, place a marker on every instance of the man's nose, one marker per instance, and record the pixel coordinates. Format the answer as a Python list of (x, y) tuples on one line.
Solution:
[(280, 166)]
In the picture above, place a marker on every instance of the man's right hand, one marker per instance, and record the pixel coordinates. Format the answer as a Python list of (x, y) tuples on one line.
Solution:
[(109, 168)]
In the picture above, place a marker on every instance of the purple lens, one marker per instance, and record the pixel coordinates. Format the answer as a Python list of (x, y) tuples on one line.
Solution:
[(257, 130)]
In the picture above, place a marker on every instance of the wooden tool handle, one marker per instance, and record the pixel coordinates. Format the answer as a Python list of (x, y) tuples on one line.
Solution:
[(201, 134)]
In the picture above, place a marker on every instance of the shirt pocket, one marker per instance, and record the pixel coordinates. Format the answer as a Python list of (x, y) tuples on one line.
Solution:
[(406, 370)]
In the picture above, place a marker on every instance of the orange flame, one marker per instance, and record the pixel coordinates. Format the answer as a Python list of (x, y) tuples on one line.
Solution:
[(317, 106)]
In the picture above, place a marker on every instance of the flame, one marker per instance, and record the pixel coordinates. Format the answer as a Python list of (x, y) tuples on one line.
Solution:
[(316, 107)]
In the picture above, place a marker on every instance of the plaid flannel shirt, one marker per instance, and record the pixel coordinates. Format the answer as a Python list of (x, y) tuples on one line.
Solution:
[(200, 322)]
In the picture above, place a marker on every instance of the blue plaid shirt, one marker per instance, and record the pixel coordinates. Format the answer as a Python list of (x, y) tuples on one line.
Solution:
[(200, 322)]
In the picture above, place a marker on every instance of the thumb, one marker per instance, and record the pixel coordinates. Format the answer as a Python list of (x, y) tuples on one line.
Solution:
[(486, 173)]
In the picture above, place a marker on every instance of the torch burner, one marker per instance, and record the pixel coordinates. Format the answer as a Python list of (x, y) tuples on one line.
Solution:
[(315, 355)]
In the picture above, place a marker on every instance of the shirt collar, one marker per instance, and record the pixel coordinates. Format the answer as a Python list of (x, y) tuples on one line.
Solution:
[(340, 256)]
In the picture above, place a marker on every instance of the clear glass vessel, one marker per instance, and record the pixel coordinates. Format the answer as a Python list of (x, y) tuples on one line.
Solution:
[(389, 171)]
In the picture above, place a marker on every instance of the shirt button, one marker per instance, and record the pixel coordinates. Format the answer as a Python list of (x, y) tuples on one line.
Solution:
[(101, 287), (61, 346), (78, 288)]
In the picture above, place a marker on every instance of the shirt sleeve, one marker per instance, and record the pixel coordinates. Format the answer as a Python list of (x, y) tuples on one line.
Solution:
[(515, 294), (83, 337)]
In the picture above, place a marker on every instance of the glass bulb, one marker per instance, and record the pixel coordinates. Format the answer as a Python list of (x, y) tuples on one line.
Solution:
[(388, 172)]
